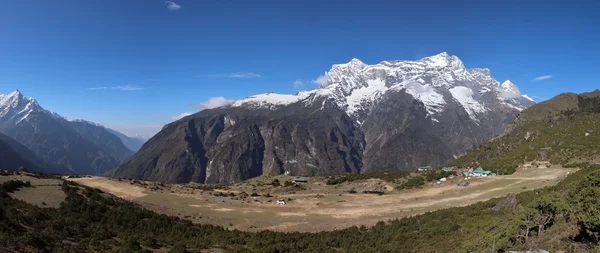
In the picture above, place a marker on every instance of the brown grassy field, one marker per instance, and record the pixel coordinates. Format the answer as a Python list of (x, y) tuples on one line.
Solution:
[(315, 206), (44, 193)]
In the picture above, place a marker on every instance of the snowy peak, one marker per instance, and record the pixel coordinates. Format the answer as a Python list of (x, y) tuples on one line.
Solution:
[(442, 60), (16, 107), (356, 63), (16, 93), (352, 64), (13, 100), (510, 87)]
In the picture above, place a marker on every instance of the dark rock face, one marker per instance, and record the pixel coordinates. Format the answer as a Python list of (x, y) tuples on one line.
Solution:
[(230, 145), (399, 125)]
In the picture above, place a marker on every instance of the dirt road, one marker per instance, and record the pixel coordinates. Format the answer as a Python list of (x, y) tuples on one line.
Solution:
[(119, 189)]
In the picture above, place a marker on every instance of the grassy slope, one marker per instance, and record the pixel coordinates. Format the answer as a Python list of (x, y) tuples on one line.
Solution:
[(556, 127)]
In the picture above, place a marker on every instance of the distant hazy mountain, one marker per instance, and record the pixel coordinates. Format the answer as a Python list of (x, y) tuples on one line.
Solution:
[(131, 143), (78, 145), (395, 115), (13, 155)]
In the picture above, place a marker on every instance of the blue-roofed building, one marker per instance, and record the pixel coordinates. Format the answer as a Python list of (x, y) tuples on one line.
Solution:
[(482, 173), (300, 180)]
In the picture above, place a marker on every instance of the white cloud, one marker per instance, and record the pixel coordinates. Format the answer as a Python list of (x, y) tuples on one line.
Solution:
[(213, 102), (120, 88), (321, 81), (178, 117), (540, 78), (298, 83), (172, 6), (245, 75)]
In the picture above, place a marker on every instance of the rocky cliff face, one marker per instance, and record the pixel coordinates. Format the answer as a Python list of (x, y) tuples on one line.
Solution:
[(232, 144), (395, 115)]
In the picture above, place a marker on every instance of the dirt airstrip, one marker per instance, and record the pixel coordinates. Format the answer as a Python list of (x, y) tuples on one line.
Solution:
[(315, 206)]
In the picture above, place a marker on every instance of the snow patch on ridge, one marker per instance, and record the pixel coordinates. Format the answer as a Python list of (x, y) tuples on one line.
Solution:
[(270, 99), (464, 96), (365, 94), (513, 106), (527, 97), (433, 101)]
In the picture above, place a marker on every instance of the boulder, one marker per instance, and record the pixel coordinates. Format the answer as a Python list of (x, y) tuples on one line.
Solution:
[(509, 202), (542, 155)]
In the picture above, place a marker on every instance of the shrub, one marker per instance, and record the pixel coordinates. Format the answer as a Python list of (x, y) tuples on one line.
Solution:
[(275, 183)]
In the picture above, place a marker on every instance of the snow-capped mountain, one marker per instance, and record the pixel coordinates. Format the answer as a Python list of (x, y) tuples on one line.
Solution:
[(14, 107), (79, 145), (394, 115), (356, 86)]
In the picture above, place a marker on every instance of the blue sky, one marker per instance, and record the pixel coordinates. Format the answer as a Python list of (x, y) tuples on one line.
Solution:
[(135, 64)]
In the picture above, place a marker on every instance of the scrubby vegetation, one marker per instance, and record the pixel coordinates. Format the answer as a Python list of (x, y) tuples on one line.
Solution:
[(390, 176), (208, 187), (402, 179), (412, 182), (12, 185), (563, 217)]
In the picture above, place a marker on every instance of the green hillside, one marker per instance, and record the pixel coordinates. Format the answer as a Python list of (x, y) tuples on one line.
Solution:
[(564, 130)]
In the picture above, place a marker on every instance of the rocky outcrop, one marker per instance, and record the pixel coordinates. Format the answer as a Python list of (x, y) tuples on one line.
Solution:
[(542, 155), (508, 202)]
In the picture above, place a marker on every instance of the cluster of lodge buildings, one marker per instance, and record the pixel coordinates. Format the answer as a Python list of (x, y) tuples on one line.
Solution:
[(479, 172)]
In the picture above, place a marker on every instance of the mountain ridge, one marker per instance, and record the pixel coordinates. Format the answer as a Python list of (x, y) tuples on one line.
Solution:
[(81, 146)]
